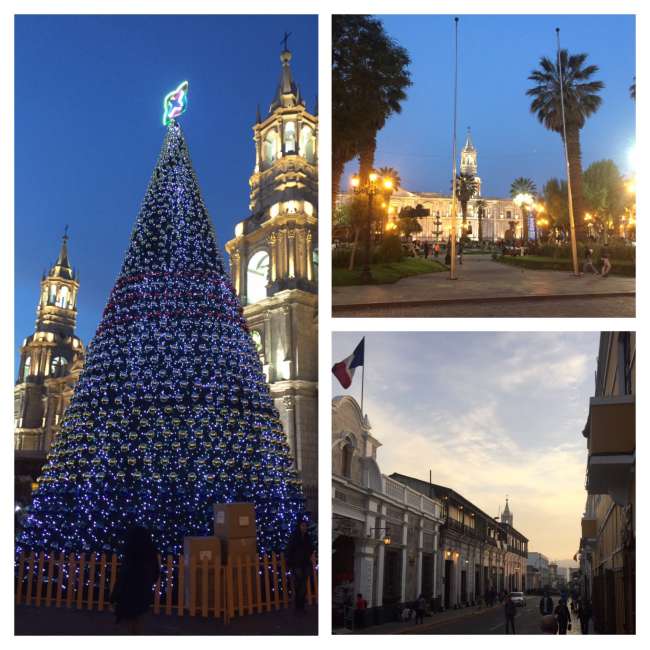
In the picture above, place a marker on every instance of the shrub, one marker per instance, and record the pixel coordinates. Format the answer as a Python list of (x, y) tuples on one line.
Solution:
[(341, 257), (390, 250), (617, 251)]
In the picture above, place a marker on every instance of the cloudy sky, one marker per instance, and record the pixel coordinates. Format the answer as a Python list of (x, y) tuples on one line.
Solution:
[(490, 414)]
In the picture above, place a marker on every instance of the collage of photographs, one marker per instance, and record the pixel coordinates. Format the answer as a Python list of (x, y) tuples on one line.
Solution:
[(335, 320)]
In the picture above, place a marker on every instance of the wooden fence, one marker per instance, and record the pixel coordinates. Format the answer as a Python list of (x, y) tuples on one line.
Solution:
[(197, 587)]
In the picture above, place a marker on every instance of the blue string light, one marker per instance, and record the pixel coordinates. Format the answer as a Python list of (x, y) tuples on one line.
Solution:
[(172, 412)]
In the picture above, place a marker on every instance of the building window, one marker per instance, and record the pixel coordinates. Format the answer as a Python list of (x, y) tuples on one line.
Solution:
[(62, 300), (307, 144), (256, 335), (58, 365), (52, 299), (290, 137), (346, 458), (257, 277), (27, 368), (270, 148)]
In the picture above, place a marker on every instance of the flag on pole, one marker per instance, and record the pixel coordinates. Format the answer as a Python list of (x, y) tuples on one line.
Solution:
[(344, 370)]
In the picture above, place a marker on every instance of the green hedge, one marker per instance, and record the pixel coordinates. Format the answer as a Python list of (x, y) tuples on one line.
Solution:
[(535, 262), (616, 251)]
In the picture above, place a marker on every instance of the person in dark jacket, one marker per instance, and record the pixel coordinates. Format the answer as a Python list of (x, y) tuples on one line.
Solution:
[(420, 609), (563, 617), (546, 605), (510, 610), (139, 571), (300, 559), (584, 614)]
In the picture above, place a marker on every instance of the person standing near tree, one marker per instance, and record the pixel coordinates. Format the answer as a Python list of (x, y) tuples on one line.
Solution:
[(139, 571), (300, 559)]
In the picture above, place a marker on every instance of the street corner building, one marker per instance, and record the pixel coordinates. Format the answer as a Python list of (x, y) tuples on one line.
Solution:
[(396, 537), (274, 267), (607, 550)]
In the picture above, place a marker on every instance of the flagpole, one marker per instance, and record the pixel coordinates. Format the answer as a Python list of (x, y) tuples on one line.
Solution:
[(363, 377), (572, 224), (452, 257)]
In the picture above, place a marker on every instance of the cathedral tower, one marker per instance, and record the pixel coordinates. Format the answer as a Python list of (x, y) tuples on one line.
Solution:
[(506, 515), (273, 261), (51, 360), (469, 162)]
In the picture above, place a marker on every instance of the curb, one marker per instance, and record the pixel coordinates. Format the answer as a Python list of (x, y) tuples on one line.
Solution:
[(456, 301)]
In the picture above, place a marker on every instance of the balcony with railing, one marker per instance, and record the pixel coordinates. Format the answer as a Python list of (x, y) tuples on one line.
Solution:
[(411, 498)]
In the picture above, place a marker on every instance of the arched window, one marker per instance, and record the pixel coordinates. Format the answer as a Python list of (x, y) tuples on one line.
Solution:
[(346, 458), (63, 297), (27, 368), (58, 365), (257, 277), (52, 299), (270, 148), (307, 144), (290, 137)]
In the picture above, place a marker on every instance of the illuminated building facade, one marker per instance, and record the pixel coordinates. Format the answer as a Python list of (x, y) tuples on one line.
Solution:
[(274, 261)]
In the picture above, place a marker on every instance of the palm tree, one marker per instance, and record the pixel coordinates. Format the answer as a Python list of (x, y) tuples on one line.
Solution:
[(633, 90), (523, 185), (480, 211), (392, 173), (369, 77), (466, 189), (581, 100)]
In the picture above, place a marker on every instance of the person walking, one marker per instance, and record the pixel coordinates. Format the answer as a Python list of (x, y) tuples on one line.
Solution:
[(300, 559), (584, 614), (604, 258), (510, 610), (588, 264), (546, 605), (133, 594), (436, 250), (420, 609), (360, 607), (460, 251), (563, 617)]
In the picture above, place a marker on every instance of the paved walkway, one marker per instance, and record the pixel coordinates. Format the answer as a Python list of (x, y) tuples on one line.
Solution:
[(50, 621), (482, 281)]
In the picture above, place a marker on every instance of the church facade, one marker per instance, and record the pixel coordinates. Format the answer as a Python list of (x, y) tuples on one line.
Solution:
[(273, 260), (500, 215), (51, 360)]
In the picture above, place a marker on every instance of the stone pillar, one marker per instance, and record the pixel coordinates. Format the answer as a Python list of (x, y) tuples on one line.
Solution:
[(378, 596), (418, 566), (272, 241), (436, 558), (309, 255), (364, 559), (291, 246), (236, 271), (289, 404)]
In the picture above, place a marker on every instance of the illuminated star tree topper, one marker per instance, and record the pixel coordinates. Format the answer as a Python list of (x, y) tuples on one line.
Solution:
[(175, 103)]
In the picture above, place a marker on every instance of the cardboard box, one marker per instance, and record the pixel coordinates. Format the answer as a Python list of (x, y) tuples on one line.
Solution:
[(208, 548), (241, 547), (234, 520)]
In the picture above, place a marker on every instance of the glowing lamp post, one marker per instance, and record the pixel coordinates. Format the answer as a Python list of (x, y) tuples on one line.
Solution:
[(374, 185), (523, 200)]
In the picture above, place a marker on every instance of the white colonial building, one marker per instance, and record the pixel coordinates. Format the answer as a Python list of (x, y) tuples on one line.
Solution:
[(385, 534)]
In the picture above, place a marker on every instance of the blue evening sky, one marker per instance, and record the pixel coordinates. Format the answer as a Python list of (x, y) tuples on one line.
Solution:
[(490, 414), (496, 56), (88, 131)]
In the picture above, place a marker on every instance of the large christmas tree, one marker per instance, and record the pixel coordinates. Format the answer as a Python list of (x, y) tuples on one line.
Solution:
[(172, 412)]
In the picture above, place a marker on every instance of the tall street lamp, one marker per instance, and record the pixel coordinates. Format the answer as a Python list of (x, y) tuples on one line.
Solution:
[(372, 186)]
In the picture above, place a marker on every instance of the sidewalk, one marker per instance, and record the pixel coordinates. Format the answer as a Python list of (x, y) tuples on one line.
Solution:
[(397, 627), (480, 279), (49, 621)]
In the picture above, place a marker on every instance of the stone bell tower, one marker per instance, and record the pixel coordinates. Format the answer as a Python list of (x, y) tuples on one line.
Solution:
[(274, 262), (469, 161), (51, 360)]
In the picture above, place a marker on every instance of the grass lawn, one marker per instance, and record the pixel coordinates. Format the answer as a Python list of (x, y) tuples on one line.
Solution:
[(539, 262), (387, 273)]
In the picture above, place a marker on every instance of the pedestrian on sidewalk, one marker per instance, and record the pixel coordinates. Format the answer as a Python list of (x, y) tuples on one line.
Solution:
[(510, 610), (436, 250), (548, 624), (132, 594), (563, 617), (584, 614), (588, 264), (300, 560), (420, 609), (359, 609), (604, 258), (546, 605)]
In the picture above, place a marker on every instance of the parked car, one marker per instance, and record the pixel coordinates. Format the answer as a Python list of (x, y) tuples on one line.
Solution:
[(518, 598)]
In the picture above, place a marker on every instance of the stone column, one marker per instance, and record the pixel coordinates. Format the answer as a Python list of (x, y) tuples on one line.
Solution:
[(436, 558), (309, 255), (291, 246), (378, 596), (364, 558), (289, 404), (418, 566), (404, 555), (236, 271)]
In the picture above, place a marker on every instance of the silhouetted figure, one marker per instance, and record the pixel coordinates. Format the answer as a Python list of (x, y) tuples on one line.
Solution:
[(563, 617), (300, 556), (584, 614), (510, 610), (140, 569)]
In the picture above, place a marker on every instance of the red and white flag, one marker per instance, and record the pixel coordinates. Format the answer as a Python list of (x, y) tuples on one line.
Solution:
[(344, 370)]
